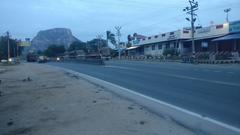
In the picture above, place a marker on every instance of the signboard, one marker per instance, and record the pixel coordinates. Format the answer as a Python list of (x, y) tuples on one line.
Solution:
[(136, 41), (204, 30), (204, 44), (25, 43), (172, 37), (234, 27)]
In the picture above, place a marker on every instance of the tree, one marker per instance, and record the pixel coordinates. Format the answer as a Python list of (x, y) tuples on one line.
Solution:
[(39, 52), (111, 38), (13, 48), (94, 44), (54, 50), (171, 52), (77, 46)]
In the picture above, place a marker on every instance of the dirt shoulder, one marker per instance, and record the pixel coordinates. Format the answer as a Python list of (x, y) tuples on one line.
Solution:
[(38, 100)]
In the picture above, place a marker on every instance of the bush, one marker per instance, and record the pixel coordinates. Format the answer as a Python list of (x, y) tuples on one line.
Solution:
[(54, 50), (170, 52)]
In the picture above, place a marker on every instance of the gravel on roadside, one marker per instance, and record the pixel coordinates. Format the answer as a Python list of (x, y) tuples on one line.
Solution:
[(38, 100)]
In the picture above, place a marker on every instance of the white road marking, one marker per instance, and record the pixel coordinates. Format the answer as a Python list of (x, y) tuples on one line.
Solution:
[(217, 71), (181, 76), (119, 67), (230, 72), (203, 80)]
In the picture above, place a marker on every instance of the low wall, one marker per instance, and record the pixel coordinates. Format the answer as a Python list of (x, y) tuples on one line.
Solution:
[(160, 59)]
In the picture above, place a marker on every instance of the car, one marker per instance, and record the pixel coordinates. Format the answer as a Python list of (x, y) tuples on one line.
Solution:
[(42, 59), (4, 61)]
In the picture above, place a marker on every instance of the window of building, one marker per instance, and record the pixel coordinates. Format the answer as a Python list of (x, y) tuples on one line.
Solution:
[(171, 33), (159, 46), (219, 26), (204, 44), (167, 45), (163, 35), (149, 37), (185, 31), (153, 47), (144, 39), (177, 45), (174, 45), (156, 36)]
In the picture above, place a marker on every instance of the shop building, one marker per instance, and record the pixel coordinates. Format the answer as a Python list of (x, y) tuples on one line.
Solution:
[(214, 40)]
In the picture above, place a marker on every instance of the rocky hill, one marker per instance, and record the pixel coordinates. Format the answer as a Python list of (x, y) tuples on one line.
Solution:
[(58, 36)]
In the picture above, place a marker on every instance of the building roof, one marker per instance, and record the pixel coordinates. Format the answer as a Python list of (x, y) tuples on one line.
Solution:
[(132, 47), (228, 37)]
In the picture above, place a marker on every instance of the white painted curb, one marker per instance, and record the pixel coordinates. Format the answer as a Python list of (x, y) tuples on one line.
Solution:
[(200, 124)]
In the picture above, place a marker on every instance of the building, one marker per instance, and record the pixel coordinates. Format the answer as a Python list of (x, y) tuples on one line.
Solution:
[(204, 36), (212, 40), (156, 44)]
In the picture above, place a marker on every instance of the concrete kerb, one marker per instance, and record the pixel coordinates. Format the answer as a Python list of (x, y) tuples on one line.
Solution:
[(194, 121)]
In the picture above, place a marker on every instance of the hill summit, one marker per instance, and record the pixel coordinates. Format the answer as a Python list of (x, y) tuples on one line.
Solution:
[(57, 36)]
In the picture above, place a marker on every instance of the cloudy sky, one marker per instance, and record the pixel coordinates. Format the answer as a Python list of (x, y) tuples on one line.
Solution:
[(88, 18)]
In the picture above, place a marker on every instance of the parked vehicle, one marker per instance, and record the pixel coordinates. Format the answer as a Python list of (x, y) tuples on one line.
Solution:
[(31, 57), (4, 61), (42, 59)]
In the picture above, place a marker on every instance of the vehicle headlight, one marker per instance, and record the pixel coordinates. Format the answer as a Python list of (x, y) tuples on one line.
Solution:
[(10, 59), (58, 59)]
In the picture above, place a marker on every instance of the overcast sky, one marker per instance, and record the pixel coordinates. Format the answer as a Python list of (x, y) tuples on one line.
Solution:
[(88, 18)]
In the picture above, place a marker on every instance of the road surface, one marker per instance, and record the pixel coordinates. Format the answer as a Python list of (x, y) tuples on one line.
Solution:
[(210, 90)]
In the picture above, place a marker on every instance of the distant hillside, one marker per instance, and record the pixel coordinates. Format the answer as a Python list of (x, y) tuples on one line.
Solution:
[(58, 36)]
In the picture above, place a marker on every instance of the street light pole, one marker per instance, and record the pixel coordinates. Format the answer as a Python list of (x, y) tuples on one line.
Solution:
[(99, 37), (227, 11), (8, 45)]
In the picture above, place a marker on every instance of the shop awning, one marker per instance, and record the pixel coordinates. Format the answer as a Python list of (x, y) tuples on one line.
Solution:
[(228, 37)]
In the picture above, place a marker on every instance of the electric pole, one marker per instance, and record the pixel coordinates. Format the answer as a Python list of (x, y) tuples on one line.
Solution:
[(227, 11), (18, 44), (190, 10), (99, 37), (118, 28), (8, 45)]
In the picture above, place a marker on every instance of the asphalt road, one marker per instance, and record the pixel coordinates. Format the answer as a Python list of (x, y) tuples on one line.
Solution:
[(209, 90)]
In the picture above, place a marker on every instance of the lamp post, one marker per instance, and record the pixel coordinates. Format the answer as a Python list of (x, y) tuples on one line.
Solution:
[(8, 44), (227, 11)]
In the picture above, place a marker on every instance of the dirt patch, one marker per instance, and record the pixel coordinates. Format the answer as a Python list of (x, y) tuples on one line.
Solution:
[(20, 131), (42, 100)]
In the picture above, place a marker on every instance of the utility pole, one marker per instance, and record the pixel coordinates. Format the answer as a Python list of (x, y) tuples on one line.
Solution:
[(18, 44), (118, 28), (227, 11), (190, 10), (8, 36), (99, 37)]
